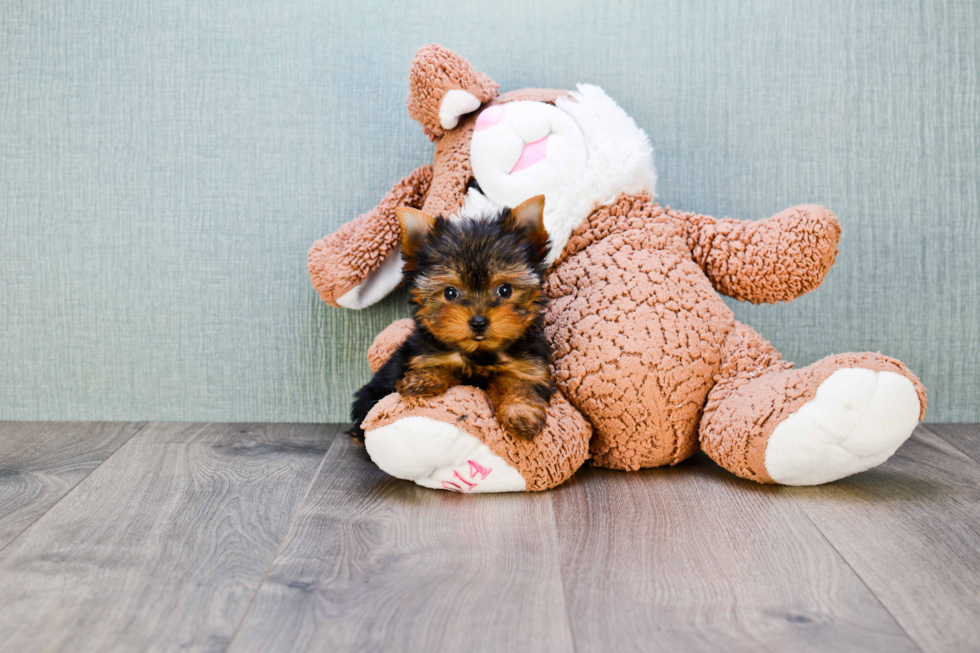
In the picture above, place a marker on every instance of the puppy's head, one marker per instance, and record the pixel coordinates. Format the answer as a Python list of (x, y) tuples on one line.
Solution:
[(476, 283)]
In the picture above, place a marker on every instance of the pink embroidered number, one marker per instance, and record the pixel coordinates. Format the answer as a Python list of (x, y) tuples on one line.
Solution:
[(476, 469)]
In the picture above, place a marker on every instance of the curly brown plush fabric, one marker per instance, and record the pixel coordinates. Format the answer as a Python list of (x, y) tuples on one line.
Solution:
[(434, 71), (386, 342), (755, 391), (640, 333), (544, 462), (637, 332), (772, 260), (343, 259)]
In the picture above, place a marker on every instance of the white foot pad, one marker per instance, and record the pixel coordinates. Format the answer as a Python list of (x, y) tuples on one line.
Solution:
[(856, 420), (438, 455)]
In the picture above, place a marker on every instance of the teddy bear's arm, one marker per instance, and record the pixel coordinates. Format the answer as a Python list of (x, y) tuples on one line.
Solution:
[(771, 260), (343, 260), (386, 342)]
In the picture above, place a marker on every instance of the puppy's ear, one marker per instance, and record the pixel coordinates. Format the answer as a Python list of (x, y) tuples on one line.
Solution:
[(528, 216), (415, 229)]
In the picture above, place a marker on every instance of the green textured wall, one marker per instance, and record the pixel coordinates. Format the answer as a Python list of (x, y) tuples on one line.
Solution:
[(164, 167)]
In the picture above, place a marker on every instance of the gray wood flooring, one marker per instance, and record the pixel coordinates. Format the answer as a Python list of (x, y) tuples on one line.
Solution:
[(284, 537)]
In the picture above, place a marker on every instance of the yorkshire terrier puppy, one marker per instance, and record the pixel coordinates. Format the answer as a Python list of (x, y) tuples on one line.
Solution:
[(478, 303)]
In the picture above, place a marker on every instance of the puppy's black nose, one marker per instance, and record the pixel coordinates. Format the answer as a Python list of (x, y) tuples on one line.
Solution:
[(479, 323)]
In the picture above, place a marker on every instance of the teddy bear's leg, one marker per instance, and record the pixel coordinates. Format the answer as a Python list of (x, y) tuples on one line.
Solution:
[(770, 423), (454, 442)]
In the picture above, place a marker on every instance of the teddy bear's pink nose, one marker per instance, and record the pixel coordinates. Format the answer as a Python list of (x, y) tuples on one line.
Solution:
[(490, 117), (532, 153)]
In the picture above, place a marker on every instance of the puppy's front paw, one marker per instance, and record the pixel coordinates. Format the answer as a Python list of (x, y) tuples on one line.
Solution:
[(424, 383), (522, 417)]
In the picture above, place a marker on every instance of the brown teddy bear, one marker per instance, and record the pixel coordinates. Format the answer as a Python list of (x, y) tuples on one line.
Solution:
[(650, 363)]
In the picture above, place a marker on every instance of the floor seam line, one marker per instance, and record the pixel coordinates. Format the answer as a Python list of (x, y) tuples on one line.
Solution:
[(142, 427), (561, 573), (856, 574), (292, 522), (952, 444)]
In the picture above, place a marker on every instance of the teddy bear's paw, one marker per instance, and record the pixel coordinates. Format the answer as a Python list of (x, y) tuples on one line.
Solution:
[(856, 420), (438, 455)]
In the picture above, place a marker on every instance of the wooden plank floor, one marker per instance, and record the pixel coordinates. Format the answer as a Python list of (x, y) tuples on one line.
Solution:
[(40, 462), (217, 537)]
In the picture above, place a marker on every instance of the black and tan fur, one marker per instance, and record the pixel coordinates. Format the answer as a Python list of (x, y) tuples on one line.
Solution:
[(478, 305)]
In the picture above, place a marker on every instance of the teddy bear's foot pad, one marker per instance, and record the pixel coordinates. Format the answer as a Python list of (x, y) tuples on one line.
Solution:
[(856, 420), (438, 455)]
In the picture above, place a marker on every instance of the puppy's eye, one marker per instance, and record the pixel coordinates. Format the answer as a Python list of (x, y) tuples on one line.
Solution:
[(504, 290), (450, 293)]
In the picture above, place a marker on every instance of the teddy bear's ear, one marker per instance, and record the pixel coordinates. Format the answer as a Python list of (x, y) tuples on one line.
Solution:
[(442, 86), (529, 217)]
